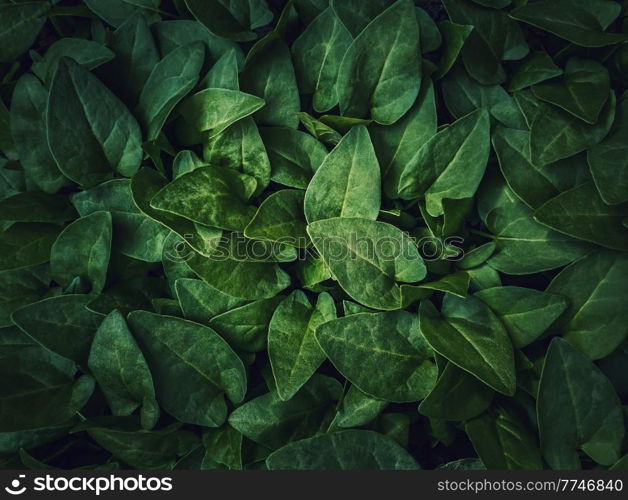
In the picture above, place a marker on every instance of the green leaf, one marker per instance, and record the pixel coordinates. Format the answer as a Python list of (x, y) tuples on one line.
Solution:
[(456, 396), (270, 76), (116, 12), (525, 246), (245, 327), (200, 302), (384, 59), (581, 213), (536, 68), (185, 354), (294, 156), (144, 186), (530, 182), (240, 147), (239, 278), (495, 38), (19, 25), (469, 335), (293, 350), (454, 38), (503, 440), (134, 234), (345, 450), (211, 196), (317, 55), (555, 134), (280, 219), (396, 145), (91, 134), (34, 206), (384, 354), (319, 130), (62, 324), (25, 245), (145, 449), (358, 409), (577, 409), (582, 23), (43, 391), (582, 91), (594, 321), (136, 56), (121, 371), (88, 54), (450, 165), (356, 14), (223, 447), (169, 81), (214, 110), (28, 129), (607, 160), (526, 313), (82, 250), (272, 422), (220, 20), (379, 253), (347, 184)]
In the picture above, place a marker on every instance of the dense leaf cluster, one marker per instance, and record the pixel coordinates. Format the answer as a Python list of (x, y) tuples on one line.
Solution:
[(313, 234)]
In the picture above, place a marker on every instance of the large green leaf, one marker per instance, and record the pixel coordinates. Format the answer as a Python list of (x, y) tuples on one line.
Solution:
[(582, 91), (582, 23), (269, 74), (595, 320), (28, 129), (347, 184), (144, 186), (457, 395), (293, 350), (379, 253), (43, 391), (469, 335), (450, 165), (169, 81), (91, 133), (214, 110), (211, 196), (20, 23), (181, 353), (293, 155), (280, 218), (240, 147), (345, 450), (503, 440), (581, 213), (63, 324), (317, 55), (82, 251), (246, 327), (272, 422), (383, 354), (555, 134), (607, 160), (577, 409), (525, 312), (380, 75), (396, 145), (121, 371)]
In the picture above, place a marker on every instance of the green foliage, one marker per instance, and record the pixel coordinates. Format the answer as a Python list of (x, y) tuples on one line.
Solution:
[(313, 234)]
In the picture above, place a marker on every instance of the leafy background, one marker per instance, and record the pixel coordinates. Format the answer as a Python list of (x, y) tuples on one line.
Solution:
[(139, 138)]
